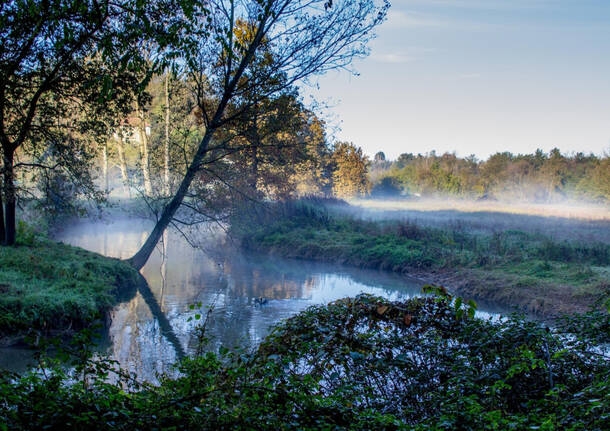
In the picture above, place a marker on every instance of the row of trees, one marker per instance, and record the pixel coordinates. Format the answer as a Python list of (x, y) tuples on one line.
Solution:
[(200, 96), (535, 177), (277, 151), (280, 152)]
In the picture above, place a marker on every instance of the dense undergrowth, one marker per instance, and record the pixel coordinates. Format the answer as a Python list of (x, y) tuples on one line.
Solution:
[(357, 363), (513, 268), (48, 286)]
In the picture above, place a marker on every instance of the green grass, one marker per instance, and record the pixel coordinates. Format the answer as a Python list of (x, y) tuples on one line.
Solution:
[(46, 286), (512, 268)]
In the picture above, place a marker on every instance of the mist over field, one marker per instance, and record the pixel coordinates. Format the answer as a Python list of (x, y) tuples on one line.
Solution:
[(566, 221)]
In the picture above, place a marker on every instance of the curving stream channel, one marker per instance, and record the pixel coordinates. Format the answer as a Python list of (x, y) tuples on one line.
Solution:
[(155, 326)]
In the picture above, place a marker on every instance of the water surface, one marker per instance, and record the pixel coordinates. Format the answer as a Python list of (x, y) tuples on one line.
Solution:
[(231, 282), (154, 327)]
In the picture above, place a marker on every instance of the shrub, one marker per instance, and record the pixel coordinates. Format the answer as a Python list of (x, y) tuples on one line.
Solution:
[(357, 363)]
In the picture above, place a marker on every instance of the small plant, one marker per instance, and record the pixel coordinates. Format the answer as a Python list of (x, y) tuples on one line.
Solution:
[(26, 235)]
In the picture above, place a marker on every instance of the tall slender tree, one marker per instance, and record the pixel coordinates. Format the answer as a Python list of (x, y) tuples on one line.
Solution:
[(166, 185)]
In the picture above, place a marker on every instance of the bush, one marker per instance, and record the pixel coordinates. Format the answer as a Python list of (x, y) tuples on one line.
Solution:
[(357, 363)]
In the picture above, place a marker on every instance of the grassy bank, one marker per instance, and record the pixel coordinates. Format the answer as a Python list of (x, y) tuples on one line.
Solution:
[(512, 268), (47, 286)]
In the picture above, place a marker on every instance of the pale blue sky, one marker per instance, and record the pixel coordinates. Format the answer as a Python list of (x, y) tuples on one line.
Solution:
[(480, 76)]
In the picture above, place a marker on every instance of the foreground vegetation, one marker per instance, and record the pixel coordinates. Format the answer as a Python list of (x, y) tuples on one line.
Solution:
[(359, 363), (512, 268), (47, 286)]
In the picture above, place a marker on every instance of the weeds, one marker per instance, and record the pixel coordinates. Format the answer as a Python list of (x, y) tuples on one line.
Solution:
[(356, 364)]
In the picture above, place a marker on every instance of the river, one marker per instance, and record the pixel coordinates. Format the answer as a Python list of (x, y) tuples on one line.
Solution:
[(151, 329)]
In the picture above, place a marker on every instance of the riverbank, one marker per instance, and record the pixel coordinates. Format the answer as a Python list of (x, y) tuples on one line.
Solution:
[(514, 269), (53, 288)]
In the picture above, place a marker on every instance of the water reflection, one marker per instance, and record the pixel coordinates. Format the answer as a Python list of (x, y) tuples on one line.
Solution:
[(151, 330)]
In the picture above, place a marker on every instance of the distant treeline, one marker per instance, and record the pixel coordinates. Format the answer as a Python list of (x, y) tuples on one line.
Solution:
[(534, 177)]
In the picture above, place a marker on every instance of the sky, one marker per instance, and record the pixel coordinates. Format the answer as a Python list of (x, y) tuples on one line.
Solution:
[(479, 77)]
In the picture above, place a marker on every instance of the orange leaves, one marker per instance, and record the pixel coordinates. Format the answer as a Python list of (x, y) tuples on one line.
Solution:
[(384, 309), (381, 309)]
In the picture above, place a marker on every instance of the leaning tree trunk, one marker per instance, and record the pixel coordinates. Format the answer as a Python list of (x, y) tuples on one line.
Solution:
[(166, 179), (139, 259), (10, 198)]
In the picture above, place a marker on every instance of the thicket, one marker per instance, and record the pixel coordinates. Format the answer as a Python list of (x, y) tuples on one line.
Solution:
[(357, 363), (534, 177)]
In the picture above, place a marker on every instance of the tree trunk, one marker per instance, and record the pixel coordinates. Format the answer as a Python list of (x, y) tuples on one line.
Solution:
[(123, 163), (166, 179), (145, 160), (2, 230), (139, 259), (10, 198), (105, 166), (145, 163)]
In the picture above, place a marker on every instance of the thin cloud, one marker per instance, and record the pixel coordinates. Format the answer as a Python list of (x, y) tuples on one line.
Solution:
[(392, 58), (401, 19), (398, 19), (403, 56)]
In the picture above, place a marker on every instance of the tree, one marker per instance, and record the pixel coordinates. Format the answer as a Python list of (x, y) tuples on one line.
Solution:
[(304, 38), (166, 184), (379, 156), (313, 175), (271, 147), (553, 172), (404, 159), (350, 173), (61, 62)]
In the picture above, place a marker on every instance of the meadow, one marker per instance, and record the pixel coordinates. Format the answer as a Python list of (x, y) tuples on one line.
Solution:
[(567, 220)]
